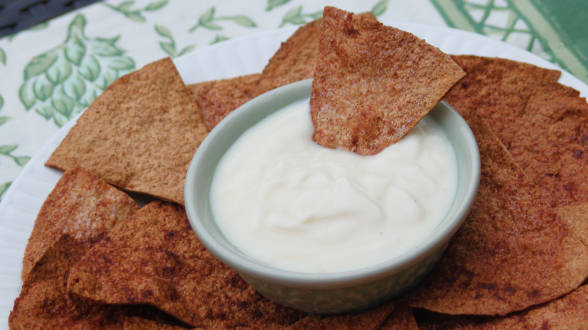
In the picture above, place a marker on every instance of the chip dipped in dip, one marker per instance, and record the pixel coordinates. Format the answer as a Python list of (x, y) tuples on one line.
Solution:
[(295, 205)]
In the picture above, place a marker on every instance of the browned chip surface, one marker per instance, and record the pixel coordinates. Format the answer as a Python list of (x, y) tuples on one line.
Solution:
[(401, 319), (497, 89), (155, 258), (369, 319), (294, 60), (512, 251), (568, 312), (373, 83), (217, 98), (550, 143), (44, 302), (80, 205), (76, 214), (140, 134)]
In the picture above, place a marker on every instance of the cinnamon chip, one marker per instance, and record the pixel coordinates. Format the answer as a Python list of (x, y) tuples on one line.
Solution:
[(81, 205), (567, 312), (401, 319), (497, 90), (76, 214), (550, 143), (295, 60), (373, 83), (45, 303), (155, 258), (140, 134), (217, 98), (512, 252)]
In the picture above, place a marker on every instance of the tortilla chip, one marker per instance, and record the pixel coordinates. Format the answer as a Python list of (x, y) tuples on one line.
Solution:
[(294, 60), (568, 312), (512, 252), (140, 134), (373, 83), (44, 302), (401, 319), (81, 205), (550, 143), (496, 89), (155, 258), (369, 319), (217, 98)]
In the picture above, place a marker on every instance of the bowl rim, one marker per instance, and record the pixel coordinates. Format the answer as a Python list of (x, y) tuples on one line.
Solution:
[(437, 239)]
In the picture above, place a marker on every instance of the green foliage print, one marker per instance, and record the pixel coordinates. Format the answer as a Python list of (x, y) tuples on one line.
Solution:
[(7, 149), (295, 16), (218, 38), (380, 7), (136, 14), (4, 187), (271, 4), (2, 56), (208, 21), (169, 46), (63, 81), (3, 119)]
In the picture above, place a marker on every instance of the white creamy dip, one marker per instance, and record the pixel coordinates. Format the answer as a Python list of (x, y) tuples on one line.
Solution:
[(295, 205)]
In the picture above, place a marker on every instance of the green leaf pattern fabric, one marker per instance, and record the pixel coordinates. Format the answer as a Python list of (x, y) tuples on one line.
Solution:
[(63, 81), (54, 70)]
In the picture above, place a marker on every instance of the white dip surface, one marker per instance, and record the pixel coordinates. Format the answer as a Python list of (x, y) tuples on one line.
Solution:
[(295, 205)]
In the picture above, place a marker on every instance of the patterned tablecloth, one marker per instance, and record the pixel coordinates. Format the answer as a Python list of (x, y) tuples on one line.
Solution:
[(52, 71)]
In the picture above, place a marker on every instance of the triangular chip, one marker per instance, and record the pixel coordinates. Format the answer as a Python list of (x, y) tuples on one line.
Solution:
[(217, 98), (81, 205), (140, 134), (401, 319), (567, 312), (496, 89), (373, 83), (370, 319), (550, 143), (295, 60), (44, 302), (156, 258), (512, 251)]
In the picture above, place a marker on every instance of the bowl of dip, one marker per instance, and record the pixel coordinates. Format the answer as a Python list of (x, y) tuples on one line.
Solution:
[(326, 230)]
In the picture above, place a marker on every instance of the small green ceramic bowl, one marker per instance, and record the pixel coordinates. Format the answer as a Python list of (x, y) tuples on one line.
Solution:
[(330, 292)]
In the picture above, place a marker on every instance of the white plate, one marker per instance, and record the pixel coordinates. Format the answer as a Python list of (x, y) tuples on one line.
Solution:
[(23, 200)]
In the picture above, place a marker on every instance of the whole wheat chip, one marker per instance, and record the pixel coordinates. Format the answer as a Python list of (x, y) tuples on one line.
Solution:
[(512, 251), (373, 83), (369, 319), (401, 318), (155, 258), (140, 134), (81, 205), (568, 312), (294, 60), (550, 140), (44, 302), (217, 98), (497, 89)]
